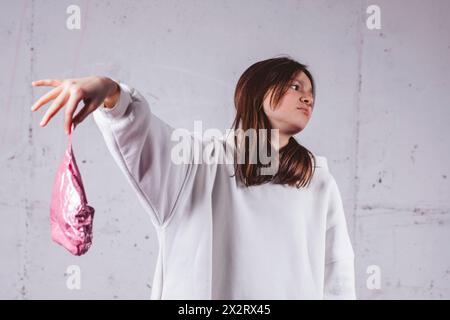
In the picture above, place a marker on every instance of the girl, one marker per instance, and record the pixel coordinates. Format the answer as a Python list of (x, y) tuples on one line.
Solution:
[(225, 230)]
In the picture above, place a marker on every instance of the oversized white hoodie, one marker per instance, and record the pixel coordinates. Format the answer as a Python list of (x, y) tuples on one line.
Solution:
[(219, 239)]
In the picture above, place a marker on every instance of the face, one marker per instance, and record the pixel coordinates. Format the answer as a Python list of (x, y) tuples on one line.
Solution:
[(294, 109)]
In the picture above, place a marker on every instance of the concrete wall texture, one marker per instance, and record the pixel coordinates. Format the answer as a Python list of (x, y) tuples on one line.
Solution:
[(381, 119)]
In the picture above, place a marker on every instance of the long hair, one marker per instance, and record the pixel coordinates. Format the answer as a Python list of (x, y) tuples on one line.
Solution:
[(295, 163)]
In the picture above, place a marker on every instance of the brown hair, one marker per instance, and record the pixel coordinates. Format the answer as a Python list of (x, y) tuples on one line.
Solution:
[(296, 163)]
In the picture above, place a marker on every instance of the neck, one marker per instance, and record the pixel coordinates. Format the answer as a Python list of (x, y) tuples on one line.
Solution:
[(282, 141)]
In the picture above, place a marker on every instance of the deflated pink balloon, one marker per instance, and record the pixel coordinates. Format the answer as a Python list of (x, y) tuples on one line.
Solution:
[(71, 217)]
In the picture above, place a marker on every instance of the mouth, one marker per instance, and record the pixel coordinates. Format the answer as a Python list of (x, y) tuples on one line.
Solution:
[(304, 110)]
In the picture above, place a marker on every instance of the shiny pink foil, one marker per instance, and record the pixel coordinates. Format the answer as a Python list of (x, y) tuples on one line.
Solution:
[(71, 217)]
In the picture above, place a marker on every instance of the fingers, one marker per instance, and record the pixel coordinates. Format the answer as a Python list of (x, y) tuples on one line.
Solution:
[(47, 82), (46, 98), (84, 112), (54, 108), (72, 105)]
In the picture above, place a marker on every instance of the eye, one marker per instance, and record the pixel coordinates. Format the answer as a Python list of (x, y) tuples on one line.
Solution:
[(296, 85)]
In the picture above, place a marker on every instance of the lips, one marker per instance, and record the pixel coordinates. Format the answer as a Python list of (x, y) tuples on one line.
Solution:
[(305, 110)]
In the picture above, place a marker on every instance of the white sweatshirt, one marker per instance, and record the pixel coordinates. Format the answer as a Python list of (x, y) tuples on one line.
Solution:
[(219, 240)]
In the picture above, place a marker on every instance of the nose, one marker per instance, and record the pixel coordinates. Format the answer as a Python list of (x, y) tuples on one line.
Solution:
[(306, 100)]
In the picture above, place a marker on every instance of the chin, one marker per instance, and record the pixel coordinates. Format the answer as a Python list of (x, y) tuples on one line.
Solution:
[(295, 130), (299, 128)]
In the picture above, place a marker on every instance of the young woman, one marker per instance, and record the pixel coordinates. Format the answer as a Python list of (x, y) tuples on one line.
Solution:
[(225, 230)]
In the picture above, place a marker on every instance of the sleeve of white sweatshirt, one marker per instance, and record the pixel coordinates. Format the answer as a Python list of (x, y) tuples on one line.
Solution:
[(339, 281), (141, 145)]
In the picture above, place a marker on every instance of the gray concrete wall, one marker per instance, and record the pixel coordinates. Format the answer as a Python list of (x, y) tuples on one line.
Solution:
[(381, 119)]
